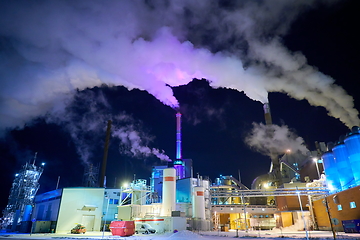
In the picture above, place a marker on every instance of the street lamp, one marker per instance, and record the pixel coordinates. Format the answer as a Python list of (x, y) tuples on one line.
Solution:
[(317, 166), (302, 213)]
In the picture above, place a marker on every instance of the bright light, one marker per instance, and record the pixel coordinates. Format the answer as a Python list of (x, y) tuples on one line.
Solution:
[(42, 164), (288, 150), (16, 175), (125, 185), (315, 159)]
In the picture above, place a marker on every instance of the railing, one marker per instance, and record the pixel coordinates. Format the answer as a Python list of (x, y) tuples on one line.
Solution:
[(216, 193)]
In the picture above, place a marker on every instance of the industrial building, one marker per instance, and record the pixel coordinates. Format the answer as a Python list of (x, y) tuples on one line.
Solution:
[(17, 213), (288, 195)]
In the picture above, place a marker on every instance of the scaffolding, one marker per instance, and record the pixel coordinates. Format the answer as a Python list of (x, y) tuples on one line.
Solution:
[(22, 194)]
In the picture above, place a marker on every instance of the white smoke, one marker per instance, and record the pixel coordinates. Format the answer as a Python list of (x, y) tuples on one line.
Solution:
[(279, 141), (85, 120), (51, 48), (132, 144)]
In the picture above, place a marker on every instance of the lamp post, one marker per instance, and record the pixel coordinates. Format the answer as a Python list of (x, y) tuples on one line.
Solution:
[(302, 213), (317, 167), (107, 209)]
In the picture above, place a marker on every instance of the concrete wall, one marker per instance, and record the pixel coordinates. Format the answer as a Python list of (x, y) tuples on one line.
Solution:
[(80, 206)]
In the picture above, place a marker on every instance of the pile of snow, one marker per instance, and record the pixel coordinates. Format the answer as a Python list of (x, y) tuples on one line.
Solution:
[(297, 226), (184, 235)]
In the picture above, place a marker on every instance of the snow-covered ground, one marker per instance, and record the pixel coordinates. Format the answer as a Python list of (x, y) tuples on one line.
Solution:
[(186, 235)]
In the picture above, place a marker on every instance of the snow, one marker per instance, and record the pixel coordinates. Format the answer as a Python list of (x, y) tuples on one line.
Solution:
[(188, 235)]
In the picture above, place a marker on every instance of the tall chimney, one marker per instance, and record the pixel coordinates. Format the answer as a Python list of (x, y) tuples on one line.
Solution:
[(179, 163), (106, 148), (178, 136)]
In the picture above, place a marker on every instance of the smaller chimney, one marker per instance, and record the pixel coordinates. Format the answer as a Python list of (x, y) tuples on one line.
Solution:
[(268, 119), (106, 149)]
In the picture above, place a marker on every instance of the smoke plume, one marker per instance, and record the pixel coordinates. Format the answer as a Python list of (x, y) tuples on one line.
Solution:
[(50, 49), (85, 119), (132, 144), (277, 143)]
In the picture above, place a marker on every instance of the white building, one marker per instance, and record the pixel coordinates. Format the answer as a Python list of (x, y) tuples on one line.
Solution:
[(62, 209)]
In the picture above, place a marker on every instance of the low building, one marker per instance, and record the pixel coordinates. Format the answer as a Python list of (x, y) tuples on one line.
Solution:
[(62, 209), (336, 208)]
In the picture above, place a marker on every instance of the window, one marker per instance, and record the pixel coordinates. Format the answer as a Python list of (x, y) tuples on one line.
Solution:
[(116, 201), (111, 201), (339, 207), (352, 205)]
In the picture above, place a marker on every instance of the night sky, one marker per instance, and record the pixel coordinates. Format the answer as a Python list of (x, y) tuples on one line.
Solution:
[(67, 67)]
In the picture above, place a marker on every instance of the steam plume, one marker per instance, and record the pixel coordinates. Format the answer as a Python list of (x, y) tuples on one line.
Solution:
[(52, 48), (85, 120), (276, 143)]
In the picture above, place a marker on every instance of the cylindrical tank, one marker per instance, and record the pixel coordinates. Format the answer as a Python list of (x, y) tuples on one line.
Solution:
[(331, 172), (352, 143), (27, 213), (198, 203), (169, 192), (341, 156)]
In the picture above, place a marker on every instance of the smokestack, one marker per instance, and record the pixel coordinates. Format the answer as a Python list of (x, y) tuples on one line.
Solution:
[(267, 114), (106, 148), (275, 170), (178, 136), (178, 163)]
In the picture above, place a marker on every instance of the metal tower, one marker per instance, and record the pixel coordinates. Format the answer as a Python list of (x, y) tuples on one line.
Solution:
[(91, 174), (22, 194)]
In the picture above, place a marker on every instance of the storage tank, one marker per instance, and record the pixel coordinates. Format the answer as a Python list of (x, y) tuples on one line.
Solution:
[(352, 143), (331, 172), (169, 192), (198, 203), (341, 156)]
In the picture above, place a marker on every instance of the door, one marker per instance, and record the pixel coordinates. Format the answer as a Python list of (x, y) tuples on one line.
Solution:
[(88, 222)]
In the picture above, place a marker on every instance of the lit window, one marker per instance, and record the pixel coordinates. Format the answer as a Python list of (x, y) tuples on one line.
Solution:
[(352, 205), (111, 201), (339, 207)]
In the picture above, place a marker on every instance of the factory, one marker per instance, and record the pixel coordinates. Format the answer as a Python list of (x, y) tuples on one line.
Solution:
[(290, 194)]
